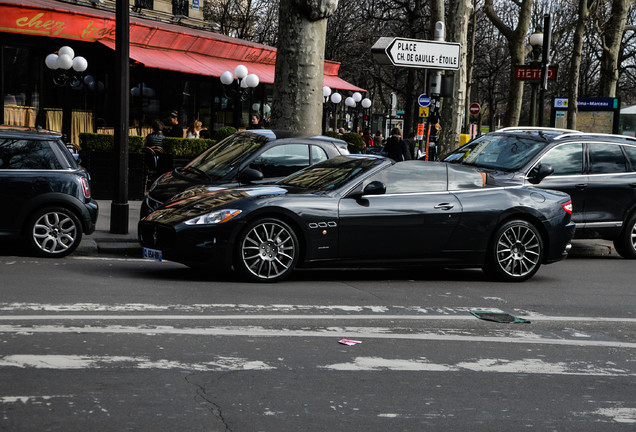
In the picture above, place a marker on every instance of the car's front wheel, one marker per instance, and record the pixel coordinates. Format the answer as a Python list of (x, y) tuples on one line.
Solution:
[(516, 252), (54, 232), (268, 250), (625, 244)]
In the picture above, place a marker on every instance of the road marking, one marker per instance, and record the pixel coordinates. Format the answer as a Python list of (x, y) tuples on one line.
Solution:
[(357, 333), (99, 362)]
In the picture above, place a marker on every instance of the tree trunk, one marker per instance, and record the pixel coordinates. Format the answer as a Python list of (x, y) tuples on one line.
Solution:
[(299, 76), (517, 48), (612, 38), (575, 65), (453, 109)]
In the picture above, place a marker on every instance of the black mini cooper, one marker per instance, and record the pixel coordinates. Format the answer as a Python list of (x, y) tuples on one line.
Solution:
[(597, 170), (45, 195)]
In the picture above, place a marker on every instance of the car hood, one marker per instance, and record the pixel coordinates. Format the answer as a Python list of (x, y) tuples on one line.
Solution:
[(204, 199), (172, 183)]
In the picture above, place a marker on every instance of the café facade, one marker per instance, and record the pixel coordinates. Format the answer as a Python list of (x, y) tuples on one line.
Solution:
[(172, 68)]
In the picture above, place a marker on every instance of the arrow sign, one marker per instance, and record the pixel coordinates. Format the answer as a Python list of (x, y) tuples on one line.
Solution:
[(419, 53)]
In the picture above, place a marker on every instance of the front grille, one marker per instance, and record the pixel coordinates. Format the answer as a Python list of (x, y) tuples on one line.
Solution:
[(157, 236)]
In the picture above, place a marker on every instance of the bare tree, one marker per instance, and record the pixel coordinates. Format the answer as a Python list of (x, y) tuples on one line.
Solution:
[(612, 37), (300, 64), (516, 45)]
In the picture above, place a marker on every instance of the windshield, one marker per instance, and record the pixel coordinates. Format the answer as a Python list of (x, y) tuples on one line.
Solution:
[(331, 174), (507, 152), (218, 161)]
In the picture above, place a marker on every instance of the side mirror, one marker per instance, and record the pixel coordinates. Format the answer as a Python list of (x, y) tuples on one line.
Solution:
[(374, 188), (250, 175), (539, 174)]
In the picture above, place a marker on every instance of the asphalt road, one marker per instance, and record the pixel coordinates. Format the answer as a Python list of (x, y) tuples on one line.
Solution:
[(125, 344)]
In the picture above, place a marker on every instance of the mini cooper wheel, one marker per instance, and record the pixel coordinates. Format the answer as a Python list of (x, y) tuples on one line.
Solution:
[(54, 232), (516, 252), (625, 244), (268, 250)]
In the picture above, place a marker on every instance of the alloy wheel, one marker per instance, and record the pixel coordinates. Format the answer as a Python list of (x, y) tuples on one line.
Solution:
[(55, 232), (518, 250), (269, 250)]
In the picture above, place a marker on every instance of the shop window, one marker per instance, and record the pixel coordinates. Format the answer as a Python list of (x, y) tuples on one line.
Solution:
[(180, 7), (144, 4)]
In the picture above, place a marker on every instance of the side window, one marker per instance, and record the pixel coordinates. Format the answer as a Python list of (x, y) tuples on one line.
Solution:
[(26, 154), (606, 159), (318, 154), (566, 159), (411, 177), (631, 154), (282, 160)]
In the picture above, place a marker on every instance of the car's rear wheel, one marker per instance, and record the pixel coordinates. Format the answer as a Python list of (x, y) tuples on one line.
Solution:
[(268, 250), (625, 244), (516, 252), (54, 232)]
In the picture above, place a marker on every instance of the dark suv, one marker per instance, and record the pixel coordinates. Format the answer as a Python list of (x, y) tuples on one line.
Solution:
[(597, 170), (46, 196), (246, 157)]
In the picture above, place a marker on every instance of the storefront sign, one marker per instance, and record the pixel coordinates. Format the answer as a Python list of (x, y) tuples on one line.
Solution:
[(56, 24)]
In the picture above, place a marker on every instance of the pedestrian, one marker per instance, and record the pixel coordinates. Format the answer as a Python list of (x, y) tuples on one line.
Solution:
[(194, 130), (173, 129), (368, 141), (395, 147), (378, 139), (155, 138), (411, 143), (256, 122)]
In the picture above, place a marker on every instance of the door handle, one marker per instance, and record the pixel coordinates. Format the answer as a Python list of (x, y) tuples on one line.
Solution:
[(581, 186), (444, 206), (632, 185)]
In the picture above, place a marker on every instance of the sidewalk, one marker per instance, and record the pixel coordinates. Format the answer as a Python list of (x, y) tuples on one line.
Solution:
[(103, 242)]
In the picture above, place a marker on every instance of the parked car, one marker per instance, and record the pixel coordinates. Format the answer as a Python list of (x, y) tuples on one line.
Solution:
[(46, 195), (364, 210), (246, 157), (597, 170)]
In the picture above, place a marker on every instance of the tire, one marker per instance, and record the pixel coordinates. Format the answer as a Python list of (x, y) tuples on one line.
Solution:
[(516, 252), (625, 244), (267, 250), (53, 232)]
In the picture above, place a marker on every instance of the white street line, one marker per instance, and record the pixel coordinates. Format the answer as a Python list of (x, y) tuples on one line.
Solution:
[(357, 333)]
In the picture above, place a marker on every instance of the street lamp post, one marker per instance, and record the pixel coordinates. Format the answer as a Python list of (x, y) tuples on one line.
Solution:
[(536, 41), (356, 110), (240, 88), (327, 109), (67, 72), (545, 64)]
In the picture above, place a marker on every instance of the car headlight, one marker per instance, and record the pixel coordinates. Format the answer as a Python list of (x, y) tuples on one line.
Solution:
[(215, 217)]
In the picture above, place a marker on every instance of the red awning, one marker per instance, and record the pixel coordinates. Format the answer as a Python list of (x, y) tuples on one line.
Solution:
[(155, 44)]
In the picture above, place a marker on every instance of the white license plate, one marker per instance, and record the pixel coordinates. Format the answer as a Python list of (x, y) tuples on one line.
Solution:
[(152, 254)]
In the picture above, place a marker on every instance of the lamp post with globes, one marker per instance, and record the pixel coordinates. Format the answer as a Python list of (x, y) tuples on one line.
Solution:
[(240, 88), (327, 109), (67, 72), (356, 111), (536, 41)]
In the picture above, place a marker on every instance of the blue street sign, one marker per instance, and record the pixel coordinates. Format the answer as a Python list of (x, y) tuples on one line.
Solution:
[(424, 100)]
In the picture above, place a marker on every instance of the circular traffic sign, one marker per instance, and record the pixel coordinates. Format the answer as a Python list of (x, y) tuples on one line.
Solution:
[(474, 108), (424, 100)]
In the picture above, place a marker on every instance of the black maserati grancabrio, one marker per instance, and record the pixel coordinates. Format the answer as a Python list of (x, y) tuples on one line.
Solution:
[(364, 211)]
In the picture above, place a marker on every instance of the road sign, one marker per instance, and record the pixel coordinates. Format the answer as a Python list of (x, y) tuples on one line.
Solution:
[(533, 73), (474, 108), (424, 111), (424, 100), (417, 53)]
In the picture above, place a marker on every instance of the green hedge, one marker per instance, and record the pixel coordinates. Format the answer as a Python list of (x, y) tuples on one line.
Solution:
[(176, 146), (355, 141)]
